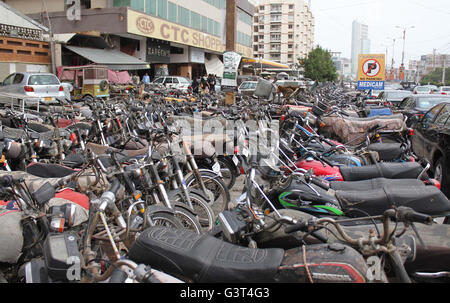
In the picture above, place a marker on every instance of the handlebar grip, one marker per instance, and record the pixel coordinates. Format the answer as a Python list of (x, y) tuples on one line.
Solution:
[(409, 215), (302, 226)]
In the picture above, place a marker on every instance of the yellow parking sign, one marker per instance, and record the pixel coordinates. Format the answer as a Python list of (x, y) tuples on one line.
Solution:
[(371, 67)]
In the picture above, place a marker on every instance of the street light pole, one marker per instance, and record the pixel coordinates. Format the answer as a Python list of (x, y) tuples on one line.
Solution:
[(404, 39)]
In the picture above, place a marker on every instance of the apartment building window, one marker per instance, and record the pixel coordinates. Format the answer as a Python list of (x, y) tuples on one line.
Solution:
[(261, 19), (217, 29), (290, 36), (184, 16), (276, 47), (290, 18), (291, 6), (210, 26), (162, 9), (172, 7), (290, 46), (275, 18), (150, 7), (275, 28), (261, 27), (291, 26), (261, 37), (261, 7), (255, 28), (275, 37), (275, 7)]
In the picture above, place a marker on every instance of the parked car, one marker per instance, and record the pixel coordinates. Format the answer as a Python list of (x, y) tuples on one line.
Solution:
[(422, 90), (444, 90), (247, 88), (393, 97), (415, 106), (44, 87), (431, 141), (177, 82)]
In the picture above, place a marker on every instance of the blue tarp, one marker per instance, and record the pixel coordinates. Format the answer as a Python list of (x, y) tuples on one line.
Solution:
[(380, 112)]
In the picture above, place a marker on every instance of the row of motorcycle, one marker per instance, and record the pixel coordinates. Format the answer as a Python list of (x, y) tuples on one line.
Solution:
[(128, 190)]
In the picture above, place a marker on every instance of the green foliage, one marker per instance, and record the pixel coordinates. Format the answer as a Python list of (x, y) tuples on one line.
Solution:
[(318, 66), (435, 77)]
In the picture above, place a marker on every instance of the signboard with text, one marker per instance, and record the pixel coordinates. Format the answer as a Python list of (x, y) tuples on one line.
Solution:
[(371, 71), (153, 27)]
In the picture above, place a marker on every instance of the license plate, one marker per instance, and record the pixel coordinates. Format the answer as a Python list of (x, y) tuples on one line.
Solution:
[(216, 168), (235, 160), (48, 99)]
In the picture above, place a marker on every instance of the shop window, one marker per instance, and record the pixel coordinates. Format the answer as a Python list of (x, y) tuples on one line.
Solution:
[(196, 21), (137, 5), (184, 16), (121, 3), (172, 12), (162, 9), (150, 7), (204, 24), (210, 26)]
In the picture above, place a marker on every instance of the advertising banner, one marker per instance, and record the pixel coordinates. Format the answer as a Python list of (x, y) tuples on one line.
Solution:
[(371, 71), (231, 61)]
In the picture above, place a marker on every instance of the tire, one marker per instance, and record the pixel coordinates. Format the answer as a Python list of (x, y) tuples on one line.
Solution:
[(187, 218), (204, 212), (441, 174), (162, 218), (228, 171), (218, 194)]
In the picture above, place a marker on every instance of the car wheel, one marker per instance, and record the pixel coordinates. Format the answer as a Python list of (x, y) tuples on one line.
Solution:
[(440, 174)]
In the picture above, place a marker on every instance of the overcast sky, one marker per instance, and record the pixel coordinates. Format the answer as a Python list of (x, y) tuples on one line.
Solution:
[(431, 21)]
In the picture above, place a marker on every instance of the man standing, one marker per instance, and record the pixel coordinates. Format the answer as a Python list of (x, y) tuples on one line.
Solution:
[(146, 78), (212, 83)]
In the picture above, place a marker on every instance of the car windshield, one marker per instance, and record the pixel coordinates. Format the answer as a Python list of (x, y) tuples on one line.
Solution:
[(445, 89), (43, 80), (426, 103)]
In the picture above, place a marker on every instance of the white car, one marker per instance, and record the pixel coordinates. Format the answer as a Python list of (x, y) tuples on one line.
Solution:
[(176, 82), (422, 90), (444, 90)]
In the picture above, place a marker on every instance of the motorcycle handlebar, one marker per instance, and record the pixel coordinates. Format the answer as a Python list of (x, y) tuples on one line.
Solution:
[(303, 226)]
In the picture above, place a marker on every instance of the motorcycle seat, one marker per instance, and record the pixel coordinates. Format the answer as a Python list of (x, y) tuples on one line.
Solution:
[(48, 170), (404, 170), (387, 151), (372, 184), (203, 258), (428, 200)]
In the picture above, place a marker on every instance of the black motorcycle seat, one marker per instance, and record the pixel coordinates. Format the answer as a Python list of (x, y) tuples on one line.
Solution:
[(404, 170), (372, 184), (425, 199), (203, 258), (48, 170), (387, 151)]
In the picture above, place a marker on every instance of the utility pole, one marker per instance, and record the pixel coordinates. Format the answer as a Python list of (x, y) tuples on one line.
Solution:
[(231, 21), (443, 69), (434, 59), (52, 42)]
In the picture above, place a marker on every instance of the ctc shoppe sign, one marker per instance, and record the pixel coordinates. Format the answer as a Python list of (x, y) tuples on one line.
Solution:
[(148, 26)]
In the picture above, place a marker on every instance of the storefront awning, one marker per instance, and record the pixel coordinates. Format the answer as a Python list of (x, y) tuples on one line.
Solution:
[(113, 59)]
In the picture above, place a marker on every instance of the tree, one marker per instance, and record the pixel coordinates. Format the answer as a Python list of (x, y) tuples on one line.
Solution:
[(435, 77), (318, 66)]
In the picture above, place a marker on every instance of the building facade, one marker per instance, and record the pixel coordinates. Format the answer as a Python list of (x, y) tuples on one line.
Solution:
[(23, 47), (428, 63), (360, 43), (283, 31), (175, 37), (343, 65)]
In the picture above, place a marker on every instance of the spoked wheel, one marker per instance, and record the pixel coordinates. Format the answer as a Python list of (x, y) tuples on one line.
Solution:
[(202, 210), (228, 172), (187, 218), (217, 192), (166, 219)]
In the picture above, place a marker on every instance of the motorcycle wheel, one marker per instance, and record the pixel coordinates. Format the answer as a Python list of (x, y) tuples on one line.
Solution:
[(228, 172), (217, 192), (204, 212)]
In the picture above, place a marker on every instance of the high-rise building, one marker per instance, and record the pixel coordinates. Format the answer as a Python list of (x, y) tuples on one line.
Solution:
[(283, 31), (360, 43)]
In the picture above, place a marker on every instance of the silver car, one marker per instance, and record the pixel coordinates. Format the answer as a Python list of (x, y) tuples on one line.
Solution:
[(44, 87), (176, 82)]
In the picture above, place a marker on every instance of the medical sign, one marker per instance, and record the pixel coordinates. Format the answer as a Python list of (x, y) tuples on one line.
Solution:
[(371, 71)]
